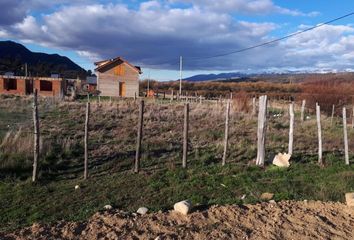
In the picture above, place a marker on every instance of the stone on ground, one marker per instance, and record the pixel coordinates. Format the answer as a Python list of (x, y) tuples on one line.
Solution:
[(267, 196), (142, 210), (282, 160), (108, 207), (183, 207), (349, 198)]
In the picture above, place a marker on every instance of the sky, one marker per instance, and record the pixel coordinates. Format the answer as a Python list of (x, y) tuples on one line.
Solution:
[(154, 34)]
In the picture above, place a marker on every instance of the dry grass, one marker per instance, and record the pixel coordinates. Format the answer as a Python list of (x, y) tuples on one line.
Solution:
[(161, 182), (113, 135)]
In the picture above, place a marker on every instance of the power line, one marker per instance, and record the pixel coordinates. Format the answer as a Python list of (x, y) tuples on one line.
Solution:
[(254, 46), (275, 40), (264, 43)]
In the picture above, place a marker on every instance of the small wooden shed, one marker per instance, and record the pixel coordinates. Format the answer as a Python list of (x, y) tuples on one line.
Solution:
[(117, 78)]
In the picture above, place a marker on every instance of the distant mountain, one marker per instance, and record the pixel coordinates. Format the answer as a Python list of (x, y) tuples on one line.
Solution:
[(215, 77), (13, 57), (274, 76)]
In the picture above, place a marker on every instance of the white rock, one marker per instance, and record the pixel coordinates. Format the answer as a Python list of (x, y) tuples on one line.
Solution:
[(349, 198), (282, 160), (183, 207), (77, 187), (142, 210), (108, 207), (272, 201), (243, 196)]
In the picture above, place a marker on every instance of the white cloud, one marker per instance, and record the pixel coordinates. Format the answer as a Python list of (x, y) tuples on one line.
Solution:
[(245, 6), (156, 34), (146, 35)]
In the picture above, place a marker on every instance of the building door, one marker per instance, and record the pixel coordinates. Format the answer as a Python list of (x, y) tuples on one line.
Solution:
[(29, 86), (122, 90)]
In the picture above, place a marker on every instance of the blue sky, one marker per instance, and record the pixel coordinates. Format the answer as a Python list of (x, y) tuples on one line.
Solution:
[(154, 34)]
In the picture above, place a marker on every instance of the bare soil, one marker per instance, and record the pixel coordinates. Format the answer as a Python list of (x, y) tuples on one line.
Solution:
[(282, 220)]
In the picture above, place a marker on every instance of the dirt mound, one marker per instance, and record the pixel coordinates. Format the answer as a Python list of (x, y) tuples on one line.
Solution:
[(283, 220)]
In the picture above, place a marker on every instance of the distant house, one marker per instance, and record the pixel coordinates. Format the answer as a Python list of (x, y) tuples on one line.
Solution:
[(117, 78), (47, 87), (91, 83)]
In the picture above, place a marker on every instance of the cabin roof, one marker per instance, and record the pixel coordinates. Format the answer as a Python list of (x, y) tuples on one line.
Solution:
[(104, 63)]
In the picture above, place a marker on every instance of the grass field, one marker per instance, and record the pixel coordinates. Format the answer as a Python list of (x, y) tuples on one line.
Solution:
[(162, 181)]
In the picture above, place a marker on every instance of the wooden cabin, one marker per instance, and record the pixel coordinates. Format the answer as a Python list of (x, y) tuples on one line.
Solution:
[(46, 87), (117, 78)]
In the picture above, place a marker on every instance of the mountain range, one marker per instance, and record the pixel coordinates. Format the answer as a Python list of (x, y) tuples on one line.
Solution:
[(241, 77), (14, 56)]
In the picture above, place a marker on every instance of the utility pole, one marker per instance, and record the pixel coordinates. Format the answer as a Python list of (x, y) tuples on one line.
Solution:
[(180, 75), (148, 85)]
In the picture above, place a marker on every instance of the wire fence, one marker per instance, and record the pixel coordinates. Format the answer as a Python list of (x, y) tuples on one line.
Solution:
[(113, 131)]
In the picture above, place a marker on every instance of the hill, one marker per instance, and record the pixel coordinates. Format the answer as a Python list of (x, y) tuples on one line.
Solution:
[(281, 77), (13, 57), (213, 77)]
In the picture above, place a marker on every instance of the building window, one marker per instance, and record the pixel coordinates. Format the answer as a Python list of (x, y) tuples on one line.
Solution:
[(45, 85), (119, 70), (10, 84)]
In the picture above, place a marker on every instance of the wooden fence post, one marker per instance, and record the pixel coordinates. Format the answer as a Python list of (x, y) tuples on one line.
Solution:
[(254, 106), (318, 115), (303, 110), (172, 97), (346, 153), (226, 137), (332, 114), (291, 128), (353, 117), (261, 133), (87, 120), (185, 135), (139, 137), (36, 136)]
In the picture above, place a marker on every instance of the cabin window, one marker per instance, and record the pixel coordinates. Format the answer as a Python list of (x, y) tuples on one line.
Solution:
[(10, 84), (45, 85), (119, 70)]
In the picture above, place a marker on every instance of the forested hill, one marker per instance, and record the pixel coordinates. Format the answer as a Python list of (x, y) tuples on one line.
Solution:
[(14, 56)]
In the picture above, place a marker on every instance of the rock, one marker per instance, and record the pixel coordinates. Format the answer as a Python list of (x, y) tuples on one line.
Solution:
[(77, 187), (267, 196), (243, 196), (272, 202), (183, 207), (349, 198), (282, 160), (142, 210), (108, 207)]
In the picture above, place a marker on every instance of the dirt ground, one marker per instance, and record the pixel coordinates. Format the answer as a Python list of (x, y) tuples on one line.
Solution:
[(283, 220)]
